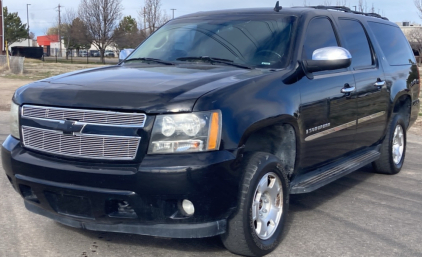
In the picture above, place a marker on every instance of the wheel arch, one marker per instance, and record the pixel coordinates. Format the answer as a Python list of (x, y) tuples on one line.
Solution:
[(278, 136), (403, 104)]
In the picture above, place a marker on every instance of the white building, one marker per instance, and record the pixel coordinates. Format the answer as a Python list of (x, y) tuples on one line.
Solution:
[(23, 43)]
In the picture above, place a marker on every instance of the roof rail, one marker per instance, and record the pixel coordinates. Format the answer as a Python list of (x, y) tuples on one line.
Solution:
[(346, 9)]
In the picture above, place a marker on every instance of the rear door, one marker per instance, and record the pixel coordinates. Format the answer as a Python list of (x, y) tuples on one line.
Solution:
[(371, 89), (328, 116)]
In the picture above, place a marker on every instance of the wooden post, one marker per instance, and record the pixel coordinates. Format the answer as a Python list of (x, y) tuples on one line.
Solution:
[(7, 55)]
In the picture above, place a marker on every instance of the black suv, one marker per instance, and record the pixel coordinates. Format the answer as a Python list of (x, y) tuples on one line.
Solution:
[(211, 123)]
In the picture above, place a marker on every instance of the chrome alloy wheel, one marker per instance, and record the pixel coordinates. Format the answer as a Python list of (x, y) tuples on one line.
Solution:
[(398, 144), (267, 205)]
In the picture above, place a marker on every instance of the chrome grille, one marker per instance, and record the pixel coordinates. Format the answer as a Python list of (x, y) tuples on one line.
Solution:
[(81, 145), (86, 116)]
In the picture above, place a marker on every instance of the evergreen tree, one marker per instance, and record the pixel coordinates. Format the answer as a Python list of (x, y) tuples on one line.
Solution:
[(14, 30)]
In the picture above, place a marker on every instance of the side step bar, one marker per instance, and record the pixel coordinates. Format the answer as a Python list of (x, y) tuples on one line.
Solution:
[(327, 174)]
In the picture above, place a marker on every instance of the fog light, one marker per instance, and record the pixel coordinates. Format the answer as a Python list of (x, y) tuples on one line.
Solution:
[(188, 207), (28, 194)]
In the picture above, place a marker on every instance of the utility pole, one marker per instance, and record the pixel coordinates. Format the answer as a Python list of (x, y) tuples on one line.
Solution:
[(27, 20), (2, 45), (355, 7), (58, 29), (173, 12)]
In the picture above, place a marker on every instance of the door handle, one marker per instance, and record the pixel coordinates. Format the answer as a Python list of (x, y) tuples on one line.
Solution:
[(347, 89), (379, 83)]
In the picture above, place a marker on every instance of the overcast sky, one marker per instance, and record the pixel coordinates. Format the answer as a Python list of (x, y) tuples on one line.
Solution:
[(43, 13)]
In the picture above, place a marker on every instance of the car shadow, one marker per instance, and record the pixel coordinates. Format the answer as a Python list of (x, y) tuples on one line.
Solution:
[(310, 201), (210, 245), (213, 245)]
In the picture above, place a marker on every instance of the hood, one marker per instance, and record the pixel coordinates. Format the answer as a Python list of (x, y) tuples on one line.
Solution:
[(150, 89)]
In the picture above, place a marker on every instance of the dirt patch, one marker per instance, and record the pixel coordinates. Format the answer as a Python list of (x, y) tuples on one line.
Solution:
[(417, 127), (7, 89)]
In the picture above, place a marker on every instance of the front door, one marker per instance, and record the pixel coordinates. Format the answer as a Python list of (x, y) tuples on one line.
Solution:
[(327, 116)]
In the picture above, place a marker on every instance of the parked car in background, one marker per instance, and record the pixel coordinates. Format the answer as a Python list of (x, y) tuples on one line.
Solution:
[(109, 53), (95, 53), (83, 53)]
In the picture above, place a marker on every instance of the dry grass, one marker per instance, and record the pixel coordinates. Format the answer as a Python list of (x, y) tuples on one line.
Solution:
[(36, 70)]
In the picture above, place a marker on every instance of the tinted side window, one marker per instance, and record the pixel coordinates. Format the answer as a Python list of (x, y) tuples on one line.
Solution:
[(357, 42), (393, 43), (319, 34)]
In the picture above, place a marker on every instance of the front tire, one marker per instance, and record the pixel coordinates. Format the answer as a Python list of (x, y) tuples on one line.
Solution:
[(393, 149), (257, 226)]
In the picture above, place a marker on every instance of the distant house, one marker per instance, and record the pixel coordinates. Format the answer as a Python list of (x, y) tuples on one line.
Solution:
[(48, 44)]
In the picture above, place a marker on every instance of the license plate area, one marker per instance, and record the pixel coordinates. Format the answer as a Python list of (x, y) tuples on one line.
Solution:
[(70, 205)]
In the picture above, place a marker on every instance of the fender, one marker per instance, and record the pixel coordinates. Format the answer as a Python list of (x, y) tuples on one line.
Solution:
[(251, 105)]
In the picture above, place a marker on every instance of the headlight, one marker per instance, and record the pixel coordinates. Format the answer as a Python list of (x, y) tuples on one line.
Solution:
[(14, 120), (190, 132)]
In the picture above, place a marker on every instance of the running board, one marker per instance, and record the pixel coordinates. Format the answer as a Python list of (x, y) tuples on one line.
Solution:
[(315, 179)]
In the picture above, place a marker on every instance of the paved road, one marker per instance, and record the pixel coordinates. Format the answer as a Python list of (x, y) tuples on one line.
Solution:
[(363, 214)]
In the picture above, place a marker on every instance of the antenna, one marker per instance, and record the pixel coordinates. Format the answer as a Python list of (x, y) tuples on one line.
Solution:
[(277, 7)]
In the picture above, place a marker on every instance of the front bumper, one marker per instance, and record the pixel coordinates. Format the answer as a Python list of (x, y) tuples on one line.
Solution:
[(90, 194)]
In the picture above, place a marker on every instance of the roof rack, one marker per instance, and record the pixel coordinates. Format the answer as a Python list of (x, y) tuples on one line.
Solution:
[(346, 9)]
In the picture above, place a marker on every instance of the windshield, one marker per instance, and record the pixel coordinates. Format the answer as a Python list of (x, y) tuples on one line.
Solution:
[(252, 41)]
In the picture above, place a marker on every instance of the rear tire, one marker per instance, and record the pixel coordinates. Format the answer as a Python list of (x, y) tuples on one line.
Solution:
[(257, 226), (393, 149)]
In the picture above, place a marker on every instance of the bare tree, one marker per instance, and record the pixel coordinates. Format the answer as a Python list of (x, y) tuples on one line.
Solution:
[(79, 37), (415, 39), (152, 15), (327, 2), (66, 28), (100, 18), (341, 2), (418, 5), (360, 6)]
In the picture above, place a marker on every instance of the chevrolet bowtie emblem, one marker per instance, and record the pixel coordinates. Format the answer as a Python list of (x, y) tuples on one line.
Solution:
[(70, 127)]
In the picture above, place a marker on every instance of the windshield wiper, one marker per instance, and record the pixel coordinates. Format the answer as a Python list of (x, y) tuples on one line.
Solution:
[(214, 60), (149, 60)]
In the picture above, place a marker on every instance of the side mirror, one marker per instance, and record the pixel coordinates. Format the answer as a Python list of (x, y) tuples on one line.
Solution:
[(328, 58), (125, 53)]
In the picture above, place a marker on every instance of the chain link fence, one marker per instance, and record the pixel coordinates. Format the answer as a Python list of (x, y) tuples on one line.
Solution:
[(15, 65)]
